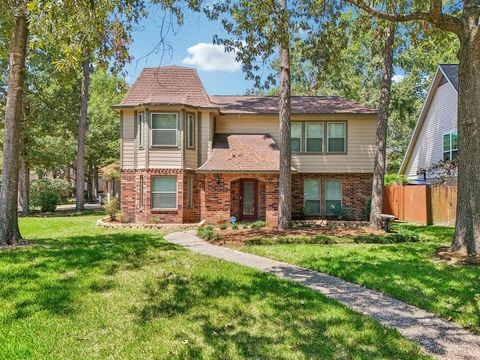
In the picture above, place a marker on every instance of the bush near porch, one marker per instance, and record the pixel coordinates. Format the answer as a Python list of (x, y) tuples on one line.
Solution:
[(408, 271)]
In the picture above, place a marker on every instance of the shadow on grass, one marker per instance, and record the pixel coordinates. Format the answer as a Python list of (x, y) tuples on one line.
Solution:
[(52, 275), (261, 317), (408, 272)]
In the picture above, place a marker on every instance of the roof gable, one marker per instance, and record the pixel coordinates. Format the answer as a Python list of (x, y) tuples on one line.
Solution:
[(440, 75), (167, 85)]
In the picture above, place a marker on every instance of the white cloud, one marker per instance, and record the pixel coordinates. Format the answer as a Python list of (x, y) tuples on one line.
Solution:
[(210, 57), (398, 78)]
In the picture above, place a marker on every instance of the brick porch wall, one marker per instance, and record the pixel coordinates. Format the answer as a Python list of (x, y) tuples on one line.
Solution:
[(356, 191), (220, 196)]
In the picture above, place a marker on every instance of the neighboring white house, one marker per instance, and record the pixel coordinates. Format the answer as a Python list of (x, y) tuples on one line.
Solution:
[(435, 136)]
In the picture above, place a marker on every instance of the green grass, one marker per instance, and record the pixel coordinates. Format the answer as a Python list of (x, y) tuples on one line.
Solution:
[(82, 292), (407, 271)]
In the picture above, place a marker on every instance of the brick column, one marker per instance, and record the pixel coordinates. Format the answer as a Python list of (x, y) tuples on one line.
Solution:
[(271, 200)]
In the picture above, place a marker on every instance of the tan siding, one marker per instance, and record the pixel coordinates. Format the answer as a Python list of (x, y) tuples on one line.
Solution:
[(191, 159), (206, 135), (128, 141), (360, 141), (165, 158)]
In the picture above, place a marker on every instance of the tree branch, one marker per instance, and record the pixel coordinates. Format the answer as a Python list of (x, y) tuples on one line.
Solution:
[(434, 16)]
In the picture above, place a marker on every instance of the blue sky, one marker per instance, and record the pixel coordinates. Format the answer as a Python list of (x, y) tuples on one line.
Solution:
[(188, 45)]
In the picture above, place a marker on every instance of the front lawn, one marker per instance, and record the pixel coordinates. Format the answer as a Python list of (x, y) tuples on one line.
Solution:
[(407, 271), (82, 292)]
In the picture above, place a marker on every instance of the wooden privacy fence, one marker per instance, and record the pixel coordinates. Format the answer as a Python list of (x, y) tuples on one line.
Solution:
[(422, 204)]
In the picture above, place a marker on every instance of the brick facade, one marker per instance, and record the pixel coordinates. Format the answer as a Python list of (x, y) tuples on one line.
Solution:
[(216, 197), (356, 191)]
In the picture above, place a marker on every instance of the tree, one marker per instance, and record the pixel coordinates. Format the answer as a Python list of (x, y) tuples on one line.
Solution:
[(381, 133), (461, 19), (9, 232)]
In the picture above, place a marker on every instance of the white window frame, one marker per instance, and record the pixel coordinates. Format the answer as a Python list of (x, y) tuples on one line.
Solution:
[(190, 130), (319, 200), (140, 129), (451, 150), (344, 138), (307, 137), (152, 130), (165, 192), (326, 193)]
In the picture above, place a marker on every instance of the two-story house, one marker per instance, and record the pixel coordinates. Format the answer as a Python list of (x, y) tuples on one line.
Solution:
[(434, 138), (187, 156)]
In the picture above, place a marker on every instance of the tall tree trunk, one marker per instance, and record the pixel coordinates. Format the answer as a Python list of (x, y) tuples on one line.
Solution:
[(82, 131), (23, 186), (285, 171), (467, 229), (382, 126), (9, 232), (90, 186)]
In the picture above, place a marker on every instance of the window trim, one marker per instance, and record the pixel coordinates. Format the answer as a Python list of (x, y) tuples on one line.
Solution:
[(141, 130), (152, 129), (191, 130), (344, 123), (341, 194), (451, 150), (319, 181), (190, 192), (163, 192), (306, 137), (142, 193)]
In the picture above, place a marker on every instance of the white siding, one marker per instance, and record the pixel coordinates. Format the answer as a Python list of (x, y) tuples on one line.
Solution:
[(128, 140), (360, 141), (441, 117), (206, 135)]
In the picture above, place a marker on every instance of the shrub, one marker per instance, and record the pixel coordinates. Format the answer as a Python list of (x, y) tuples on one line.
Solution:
[(111, 208), (301, 214), (223, 226), (155, 219), (258, 224), (234, 226), (388, 239), (48, 201), (339, 212), (317, 239), (367, 209), (208, 233), (395, 179), (59, 186)]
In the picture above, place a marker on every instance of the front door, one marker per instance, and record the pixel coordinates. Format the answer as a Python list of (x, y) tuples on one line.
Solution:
[(248, 200)]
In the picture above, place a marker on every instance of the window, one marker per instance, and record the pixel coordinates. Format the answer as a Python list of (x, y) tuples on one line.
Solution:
[(140, 127), (190, 131), (333, 196), (141, 191), (164, 129), (164, 192), (311, 196), (189, 192), (313, 137), (336, 137), (296, 136), (450, 146)]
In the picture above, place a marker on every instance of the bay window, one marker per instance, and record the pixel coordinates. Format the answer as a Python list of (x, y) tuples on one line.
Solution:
[(164, 129)]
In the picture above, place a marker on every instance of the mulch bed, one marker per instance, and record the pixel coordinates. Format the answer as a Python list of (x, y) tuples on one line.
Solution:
[(240, 236), (453, 258)]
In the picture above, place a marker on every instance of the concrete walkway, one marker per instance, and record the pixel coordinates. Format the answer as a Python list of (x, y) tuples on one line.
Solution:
[(437, 337)]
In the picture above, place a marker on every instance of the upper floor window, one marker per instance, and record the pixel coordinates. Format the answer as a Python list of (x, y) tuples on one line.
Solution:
[(140, 128), (450, 145), (314, 137), (164, 129), (336, 135), (190, 131), (296, 136), (319, 137)]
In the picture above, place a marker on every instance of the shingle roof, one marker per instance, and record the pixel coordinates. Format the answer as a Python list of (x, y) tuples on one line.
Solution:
[(167, 85), (451, 72), (243, 153), (300, 105)]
